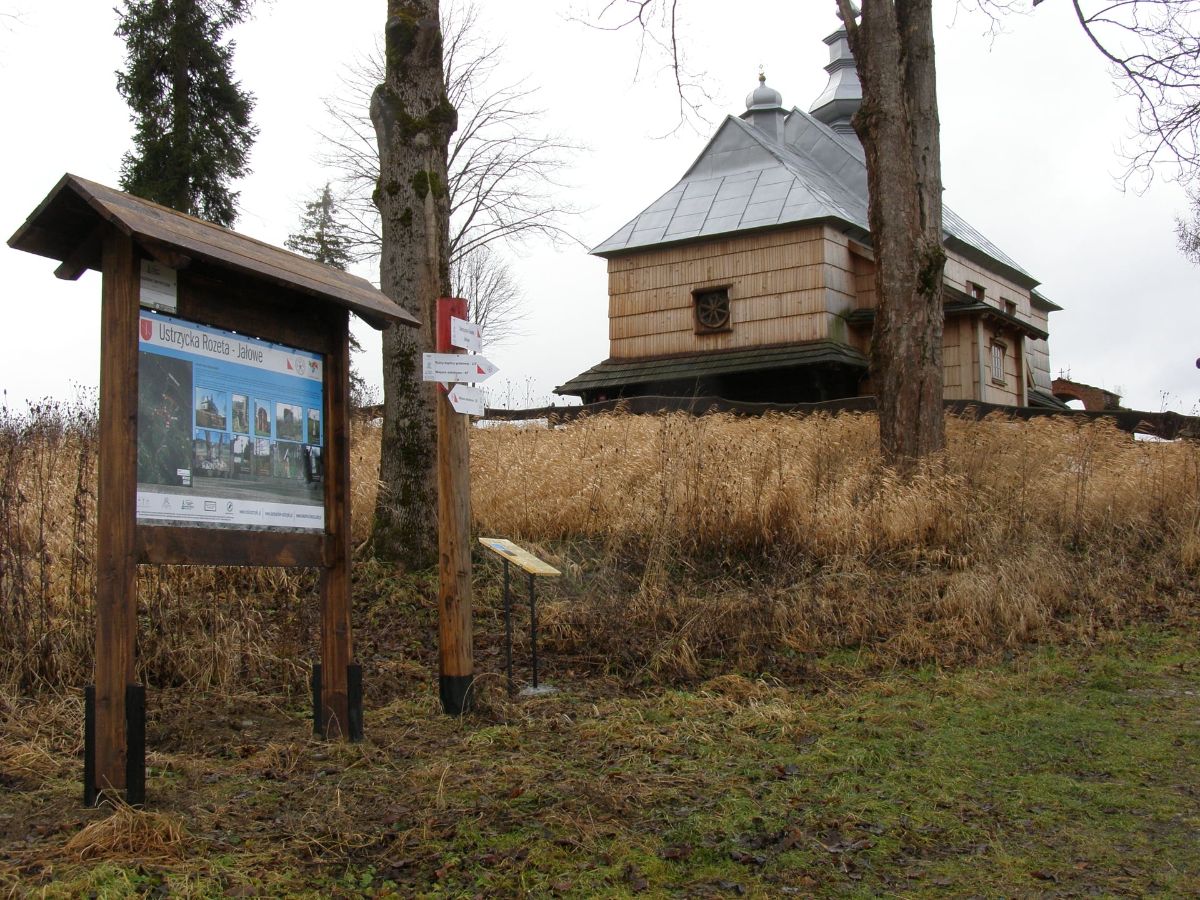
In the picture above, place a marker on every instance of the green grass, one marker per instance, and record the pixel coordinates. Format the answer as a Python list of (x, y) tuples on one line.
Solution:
[(1060, 771)]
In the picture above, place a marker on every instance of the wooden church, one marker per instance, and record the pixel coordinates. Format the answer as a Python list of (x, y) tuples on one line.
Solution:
[(753, 278)]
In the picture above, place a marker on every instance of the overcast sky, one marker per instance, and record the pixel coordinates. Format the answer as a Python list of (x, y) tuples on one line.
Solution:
[(1031, 131)]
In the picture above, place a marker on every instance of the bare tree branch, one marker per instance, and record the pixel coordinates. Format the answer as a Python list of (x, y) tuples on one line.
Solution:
[(659, 25), (504, 173), (1154, 50), (486, 280)]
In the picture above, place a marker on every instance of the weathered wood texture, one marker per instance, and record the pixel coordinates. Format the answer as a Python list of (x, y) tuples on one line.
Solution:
[(957, 386), (455, 628), (779, 287), (167, 545), (519, 556), (223, 300), (897, 125), (337, 650), (965, 339), (1008, 390), (116, 505), (1039, 351), (59, 226), (796, 285), (962, 273), (1005, 295)]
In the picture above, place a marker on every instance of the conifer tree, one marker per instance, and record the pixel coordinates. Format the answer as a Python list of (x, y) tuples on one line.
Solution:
[(321, 236), (193, 130)]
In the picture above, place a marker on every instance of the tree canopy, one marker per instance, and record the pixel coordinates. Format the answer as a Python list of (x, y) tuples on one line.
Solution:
[(321, 235), (193, 119)]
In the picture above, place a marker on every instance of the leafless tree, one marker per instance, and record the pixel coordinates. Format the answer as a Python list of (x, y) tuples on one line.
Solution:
[(11, 17), (1154, 49), (504, 169), (414, 121), (1187, 231), (659, 25), (484, 278), (450, 163)]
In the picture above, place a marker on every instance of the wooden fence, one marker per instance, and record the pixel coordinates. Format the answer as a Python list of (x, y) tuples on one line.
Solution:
[(1165, 425)]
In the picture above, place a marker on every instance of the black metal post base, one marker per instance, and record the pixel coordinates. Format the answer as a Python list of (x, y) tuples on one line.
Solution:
[(533, 631), (456, 694), (318, 712), (89, 745), (508, 647), (135, 745), (354, 702)]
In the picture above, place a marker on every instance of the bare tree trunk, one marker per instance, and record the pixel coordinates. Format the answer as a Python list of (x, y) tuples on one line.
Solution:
[(413, 121), (898, 126)]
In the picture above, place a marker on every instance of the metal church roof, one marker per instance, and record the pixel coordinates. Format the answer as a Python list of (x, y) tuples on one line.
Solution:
[(746, 180)]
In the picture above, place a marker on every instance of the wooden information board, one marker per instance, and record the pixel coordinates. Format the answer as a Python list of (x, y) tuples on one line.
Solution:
[(246, 323)]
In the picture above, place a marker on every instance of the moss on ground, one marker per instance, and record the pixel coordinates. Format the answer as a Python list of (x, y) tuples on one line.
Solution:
[(1067, 771)]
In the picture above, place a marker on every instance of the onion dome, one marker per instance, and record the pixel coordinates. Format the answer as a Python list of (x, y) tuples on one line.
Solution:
[(763, 97)]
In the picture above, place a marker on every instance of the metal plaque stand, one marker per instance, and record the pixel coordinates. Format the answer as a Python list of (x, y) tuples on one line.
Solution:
[(533, 568)]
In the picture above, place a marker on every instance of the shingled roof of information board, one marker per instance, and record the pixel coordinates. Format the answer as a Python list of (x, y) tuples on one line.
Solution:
[(64, 225)]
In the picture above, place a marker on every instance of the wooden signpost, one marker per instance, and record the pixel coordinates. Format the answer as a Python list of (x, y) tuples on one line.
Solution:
[(224, 431), (456, 655)]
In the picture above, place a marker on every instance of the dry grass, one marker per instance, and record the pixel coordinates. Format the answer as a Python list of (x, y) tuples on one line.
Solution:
[(814, 486), (755, 541), (718, 543), (130, 833), (205, 627)]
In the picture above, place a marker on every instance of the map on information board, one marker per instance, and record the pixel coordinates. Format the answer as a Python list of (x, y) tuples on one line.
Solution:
[(230, 429)]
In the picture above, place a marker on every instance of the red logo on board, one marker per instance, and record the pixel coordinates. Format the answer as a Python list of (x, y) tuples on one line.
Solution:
[(147, 329)]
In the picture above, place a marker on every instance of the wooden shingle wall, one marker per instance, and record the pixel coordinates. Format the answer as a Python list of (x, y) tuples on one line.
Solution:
[(957, 346), (842, 288), (1009, 391), (793, 285), (779, 284), (961, 344), (962, 273)]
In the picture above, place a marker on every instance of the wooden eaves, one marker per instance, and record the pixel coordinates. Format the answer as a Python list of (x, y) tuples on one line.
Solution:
[(613, 373), (68, 226), (956, 302)]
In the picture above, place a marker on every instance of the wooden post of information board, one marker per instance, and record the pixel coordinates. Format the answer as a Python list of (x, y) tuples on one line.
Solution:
[(116, 564), (336, 647), (456, 668)]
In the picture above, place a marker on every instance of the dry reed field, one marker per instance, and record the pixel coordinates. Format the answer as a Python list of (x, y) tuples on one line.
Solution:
[(755, 541), (719, 542)]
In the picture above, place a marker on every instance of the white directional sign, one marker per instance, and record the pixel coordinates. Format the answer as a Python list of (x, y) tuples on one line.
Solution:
[(467, 399), (467, 335), (456, 367)]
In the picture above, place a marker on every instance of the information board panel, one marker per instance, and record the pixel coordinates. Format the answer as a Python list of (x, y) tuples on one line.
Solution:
[(230, 429)]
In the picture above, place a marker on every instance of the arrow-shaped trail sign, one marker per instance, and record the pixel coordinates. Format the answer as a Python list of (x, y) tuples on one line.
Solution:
[(467, 399), (467, 335), (456, 367)]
